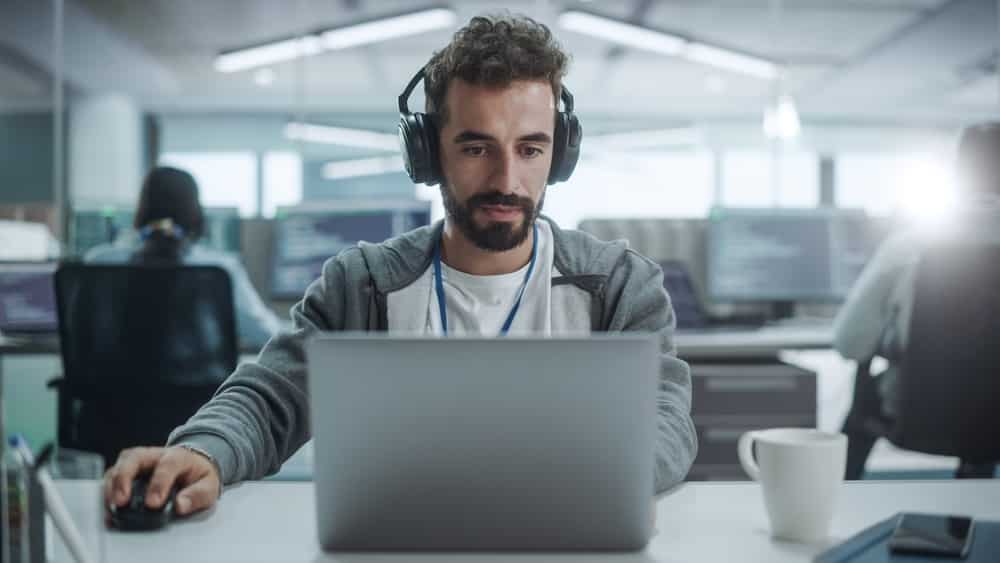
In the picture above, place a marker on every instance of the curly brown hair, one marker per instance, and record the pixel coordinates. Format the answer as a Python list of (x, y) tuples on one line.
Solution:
[(495, 50)]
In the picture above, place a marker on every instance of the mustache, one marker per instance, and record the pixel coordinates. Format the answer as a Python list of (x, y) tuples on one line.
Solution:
[(497, 198)]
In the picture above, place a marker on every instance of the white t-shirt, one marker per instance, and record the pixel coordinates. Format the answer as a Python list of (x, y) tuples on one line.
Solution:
[(479, 305)]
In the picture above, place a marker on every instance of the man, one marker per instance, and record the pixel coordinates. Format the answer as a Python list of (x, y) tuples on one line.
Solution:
[(493, 265), (875, 318)]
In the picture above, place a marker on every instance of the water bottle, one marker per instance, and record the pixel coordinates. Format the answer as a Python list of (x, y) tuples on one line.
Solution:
[(14, 490)]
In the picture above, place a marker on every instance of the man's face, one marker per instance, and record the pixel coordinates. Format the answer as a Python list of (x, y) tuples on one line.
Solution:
[(496, 150)]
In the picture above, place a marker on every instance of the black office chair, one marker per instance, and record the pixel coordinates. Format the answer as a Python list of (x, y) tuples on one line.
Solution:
[(689, 310), (949, 375), (687, 305), (143, 347)]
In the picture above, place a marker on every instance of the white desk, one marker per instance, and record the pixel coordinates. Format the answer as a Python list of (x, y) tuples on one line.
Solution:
[(724, 522), (765, 342)]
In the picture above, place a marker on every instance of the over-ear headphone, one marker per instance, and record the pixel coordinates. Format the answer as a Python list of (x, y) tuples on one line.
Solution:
[(418, 140)]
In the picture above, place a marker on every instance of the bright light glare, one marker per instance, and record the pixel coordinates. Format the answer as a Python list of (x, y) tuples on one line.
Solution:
[(781, 120), (926, 191)]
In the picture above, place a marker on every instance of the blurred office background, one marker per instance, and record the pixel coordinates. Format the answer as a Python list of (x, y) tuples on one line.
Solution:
[(705, 121)]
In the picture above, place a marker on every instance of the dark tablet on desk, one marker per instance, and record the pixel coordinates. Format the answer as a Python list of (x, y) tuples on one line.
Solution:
[(871, 545)]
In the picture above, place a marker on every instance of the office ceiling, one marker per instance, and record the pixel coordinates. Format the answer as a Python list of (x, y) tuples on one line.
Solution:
[(909, 61)]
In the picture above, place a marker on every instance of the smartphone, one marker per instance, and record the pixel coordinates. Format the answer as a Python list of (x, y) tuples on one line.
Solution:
[(932, 534)]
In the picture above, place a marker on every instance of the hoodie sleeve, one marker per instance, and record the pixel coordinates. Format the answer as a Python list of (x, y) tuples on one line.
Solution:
[(259, 416), (637, 301)]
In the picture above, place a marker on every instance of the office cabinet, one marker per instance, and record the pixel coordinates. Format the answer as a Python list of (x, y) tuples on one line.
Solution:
[(732, 398)]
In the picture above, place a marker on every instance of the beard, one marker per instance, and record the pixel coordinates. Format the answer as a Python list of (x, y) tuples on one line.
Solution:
[(495, 236)]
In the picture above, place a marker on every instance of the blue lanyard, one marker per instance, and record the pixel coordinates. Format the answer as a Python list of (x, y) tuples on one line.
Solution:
[(439, 284)]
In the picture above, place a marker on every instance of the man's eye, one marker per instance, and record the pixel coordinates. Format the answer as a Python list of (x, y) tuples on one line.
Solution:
[(531, 151), (473, 151)]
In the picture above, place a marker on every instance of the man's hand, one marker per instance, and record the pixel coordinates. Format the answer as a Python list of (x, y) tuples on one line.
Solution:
[(196, 476)]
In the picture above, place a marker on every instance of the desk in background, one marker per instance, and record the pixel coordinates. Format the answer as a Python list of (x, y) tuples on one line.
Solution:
[(16, 345), (740, 384), (26, 365), (257, 522), (754, 344)]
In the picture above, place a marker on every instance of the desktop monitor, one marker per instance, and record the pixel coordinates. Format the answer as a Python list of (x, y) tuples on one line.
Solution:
[(306, 236), (222, 230), (786, 255), (27, 297), (92, 227)]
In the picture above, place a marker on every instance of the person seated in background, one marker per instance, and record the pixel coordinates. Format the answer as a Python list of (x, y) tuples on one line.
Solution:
[(875, 318), (492, 98), (169, 221)]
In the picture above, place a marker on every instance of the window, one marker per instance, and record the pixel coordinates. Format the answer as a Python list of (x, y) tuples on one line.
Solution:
[(282, 182), (787, 178), (642, 184), (916, 185), (225, 179)]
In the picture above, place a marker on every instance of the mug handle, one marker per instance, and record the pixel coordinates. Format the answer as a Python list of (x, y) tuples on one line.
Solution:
[(745, 449)]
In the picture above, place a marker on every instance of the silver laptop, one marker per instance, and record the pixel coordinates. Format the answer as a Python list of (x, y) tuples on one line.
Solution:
[(483, 443)]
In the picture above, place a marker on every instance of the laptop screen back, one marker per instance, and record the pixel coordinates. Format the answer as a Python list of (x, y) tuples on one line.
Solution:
[(27, 297), (486, 444)]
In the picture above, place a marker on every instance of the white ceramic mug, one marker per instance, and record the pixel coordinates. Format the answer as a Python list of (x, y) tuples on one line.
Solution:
[(800, 471)]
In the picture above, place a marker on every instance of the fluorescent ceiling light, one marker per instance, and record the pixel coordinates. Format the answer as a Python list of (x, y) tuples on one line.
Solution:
[(781, 119), (730, 60), (316, 42), (388, 28), (646, 39), (271, 53), (622, 32), (646, 139), (345, 136), (340, 169)]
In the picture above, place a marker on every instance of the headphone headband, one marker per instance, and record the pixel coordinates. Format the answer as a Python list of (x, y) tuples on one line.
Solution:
[(418, 139), (564, 94), (403, 108)]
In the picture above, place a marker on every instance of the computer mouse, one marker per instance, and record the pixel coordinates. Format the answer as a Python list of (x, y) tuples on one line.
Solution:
[(136, 516)]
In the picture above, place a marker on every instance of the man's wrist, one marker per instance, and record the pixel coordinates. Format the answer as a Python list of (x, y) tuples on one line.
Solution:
[(211, 459)]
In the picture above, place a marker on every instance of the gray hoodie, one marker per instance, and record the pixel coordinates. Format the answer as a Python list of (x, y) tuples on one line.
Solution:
[(260, 415)]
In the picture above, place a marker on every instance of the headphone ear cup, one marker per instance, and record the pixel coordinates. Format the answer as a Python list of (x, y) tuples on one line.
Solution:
[(432, 158), (566, 147), (411, 147), (558, 147), (418, 144)]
